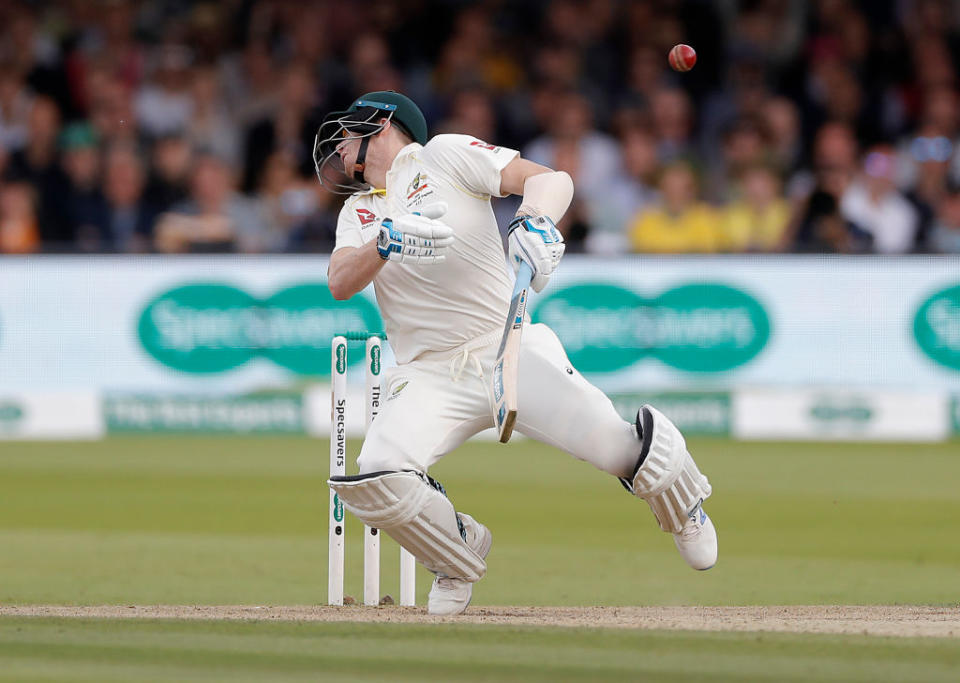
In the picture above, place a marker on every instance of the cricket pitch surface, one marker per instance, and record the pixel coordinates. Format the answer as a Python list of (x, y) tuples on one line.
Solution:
[(877, 620)]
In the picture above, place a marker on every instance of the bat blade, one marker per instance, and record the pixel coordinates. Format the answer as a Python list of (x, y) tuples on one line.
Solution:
[(506, 369)]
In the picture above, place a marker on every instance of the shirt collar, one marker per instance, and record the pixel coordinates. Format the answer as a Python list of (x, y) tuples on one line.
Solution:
[(404, 153)]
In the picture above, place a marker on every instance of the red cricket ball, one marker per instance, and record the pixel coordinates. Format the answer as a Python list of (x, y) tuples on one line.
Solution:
[(682, 57)]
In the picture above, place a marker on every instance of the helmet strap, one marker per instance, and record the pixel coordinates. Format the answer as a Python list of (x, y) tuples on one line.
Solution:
[(360, 164)]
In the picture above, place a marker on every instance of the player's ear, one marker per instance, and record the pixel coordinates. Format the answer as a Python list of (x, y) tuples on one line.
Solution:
[(387, 125)]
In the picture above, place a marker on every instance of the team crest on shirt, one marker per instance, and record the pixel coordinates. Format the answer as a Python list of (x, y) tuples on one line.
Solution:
[(366, 217), (418, 189), (397, 390)]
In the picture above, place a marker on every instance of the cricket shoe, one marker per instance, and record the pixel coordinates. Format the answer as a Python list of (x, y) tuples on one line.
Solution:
[(449, 595), (697, 540)]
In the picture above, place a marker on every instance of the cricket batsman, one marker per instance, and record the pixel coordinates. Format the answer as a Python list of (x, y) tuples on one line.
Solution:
[(419, 225)]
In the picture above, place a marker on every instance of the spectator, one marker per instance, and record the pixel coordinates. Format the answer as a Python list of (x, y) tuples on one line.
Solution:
[(934, 140), (934, 63), (781, 119), (471, 113), (210, 123), (836, 92), (39, 164), (461, 62), (742, 96), (825, 230), (289, 200), (127, 221), (369, 53), (944, 236), (111, 108), (817, 224), (645, 76), (15, 105), (632, 192), (771, 30), (672, 118), (164, 103), (502, 71), (744, 145), (930, 156), (169, 179), (35, 53), (249, 81), (873, 203), (106, 50), (318, 231), (215, 217), (19, 232), (681, 223), (292, 128), (84, 201), (590, 157), (758, 220), (209, 29)]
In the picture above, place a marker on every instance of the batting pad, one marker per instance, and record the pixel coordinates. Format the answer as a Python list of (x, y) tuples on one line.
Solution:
[(668, 478), (416, 515)]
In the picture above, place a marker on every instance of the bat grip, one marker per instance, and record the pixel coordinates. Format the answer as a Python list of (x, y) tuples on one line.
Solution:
[(524, 276)]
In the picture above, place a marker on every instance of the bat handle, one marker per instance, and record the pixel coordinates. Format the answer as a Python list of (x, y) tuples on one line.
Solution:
[(524, 276)]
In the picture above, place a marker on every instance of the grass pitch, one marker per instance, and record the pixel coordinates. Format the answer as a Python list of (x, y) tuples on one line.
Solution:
[(94, 650), (243, 521)]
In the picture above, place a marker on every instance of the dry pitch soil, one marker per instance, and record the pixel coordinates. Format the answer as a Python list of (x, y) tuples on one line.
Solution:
[(877, 620)]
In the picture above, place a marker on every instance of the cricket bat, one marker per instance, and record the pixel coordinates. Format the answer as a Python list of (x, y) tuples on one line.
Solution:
[(506, 369)]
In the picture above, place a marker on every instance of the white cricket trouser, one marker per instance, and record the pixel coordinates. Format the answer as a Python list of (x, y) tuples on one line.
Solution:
[(434, 404)]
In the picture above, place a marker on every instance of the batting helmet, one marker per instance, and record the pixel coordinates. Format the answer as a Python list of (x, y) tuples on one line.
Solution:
[(364, 118)]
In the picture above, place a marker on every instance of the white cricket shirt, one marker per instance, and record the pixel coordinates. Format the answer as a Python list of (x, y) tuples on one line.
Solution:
[(438, 307)]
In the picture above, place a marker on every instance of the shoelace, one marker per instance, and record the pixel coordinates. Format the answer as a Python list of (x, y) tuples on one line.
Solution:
[(459, 363), (692, 527)]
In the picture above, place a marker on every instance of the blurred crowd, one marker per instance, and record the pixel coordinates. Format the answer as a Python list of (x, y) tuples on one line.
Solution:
[(826, 126)]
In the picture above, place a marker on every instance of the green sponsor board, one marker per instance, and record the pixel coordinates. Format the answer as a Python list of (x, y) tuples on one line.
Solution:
[(273, 414), (692, 412), (704, 327), (955, 414), (211, 327), (936, 327)]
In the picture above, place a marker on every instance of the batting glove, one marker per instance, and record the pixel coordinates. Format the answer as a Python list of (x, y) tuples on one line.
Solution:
[(416, 237), (536, 241)]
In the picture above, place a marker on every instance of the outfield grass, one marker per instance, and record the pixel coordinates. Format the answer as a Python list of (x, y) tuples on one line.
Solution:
[(91, 650), (234, 520), (243, 521)]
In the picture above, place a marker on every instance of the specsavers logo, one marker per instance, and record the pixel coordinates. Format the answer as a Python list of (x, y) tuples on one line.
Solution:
[(211, 327), (337, 509), (936, 327), (850, 410), (11, 415), (703, 327)]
